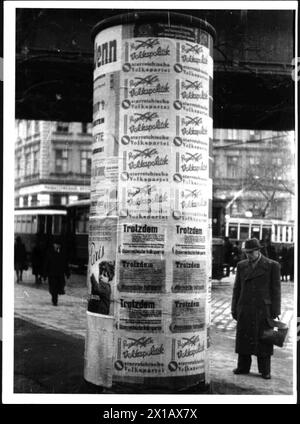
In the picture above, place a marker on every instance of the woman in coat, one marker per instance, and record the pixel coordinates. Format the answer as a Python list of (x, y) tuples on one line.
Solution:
[(256, 299), (56, 268)]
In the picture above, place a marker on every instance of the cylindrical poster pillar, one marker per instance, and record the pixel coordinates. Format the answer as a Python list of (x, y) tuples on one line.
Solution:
[(151, 189)]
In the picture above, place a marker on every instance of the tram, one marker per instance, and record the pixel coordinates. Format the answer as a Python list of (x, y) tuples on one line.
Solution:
[(42, 222), (77, 233), (276, 231)]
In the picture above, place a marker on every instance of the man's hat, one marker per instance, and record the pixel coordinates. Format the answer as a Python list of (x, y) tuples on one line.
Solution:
[(251, 244)]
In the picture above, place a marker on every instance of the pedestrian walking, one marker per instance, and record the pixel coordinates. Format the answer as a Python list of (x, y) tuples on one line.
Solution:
[(56, 269), (269, 250), (290, 261), (236, 256), (227, 260), (283, 260), (37, 261), (256, 298), (20, 258), (99, 301)]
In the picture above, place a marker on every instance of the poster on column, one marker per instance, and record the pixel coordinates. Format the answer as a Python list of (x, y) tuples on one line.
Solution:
[(187, 354), (102, 264), (188, 314), (141, 314), (190, 203), (104, 178), (140, 355)]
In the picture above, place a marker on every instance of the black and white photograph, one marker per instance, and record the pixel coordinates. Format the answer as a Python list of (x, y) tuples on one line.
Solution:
[(150, 203)]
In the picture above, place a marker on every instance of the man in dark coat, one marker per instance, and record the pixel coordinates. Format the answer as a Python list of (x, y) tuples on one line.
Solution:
[(256, 299), (56, 268)]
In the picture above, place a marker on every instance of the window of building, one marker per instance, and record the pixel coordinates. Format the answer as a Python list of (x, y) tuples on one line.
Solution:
[(217, 166), (232, 166), (252, 135), (253, 160), (62, 127), (18, 166), (85, 162), (84, 127), (36, 162), (27, 164), (231, 134), (25, 200), (277, 161), (61, 160), (36, 127), (64, 200), (254, 165), (34, 200), (59, 199), (28, 128)]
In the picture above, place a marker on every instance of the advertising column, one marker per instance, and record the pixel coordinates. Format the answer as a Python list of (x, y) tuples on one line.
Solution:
[(151, 201)]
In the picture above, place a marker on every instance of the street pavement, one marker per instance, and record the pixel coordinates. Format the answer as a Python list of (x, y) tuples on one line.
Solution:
[(35, 315)]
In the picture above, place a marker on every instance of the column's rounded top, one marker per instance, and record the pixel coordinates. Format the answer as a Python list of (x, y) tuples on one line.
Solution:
[(162, 16)]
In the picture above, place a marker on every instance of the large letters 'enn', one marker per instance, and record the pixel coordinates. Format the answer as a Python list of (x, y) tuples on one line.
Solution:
[(105, 53)]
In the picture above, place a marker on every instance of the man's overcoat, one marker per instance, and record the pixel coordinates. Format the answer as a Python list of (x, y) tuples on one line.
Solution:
[(256, 298)]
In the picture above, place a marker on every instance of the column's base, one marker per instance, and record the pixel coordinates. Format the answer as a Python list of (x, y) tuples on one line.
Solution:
[(167, 385)]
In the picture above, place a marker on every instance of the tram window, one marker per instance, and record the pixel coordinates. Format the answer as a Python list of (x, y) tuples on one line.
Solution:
[(41, 224), (18, 224), (81, 222), (275, 232), (255, 232), (33, 224), (244, 232), (64, 223), (280, 232), (233, 231), (56, 224), (266, 233), (26, 226), (48, 224), (23, 224)]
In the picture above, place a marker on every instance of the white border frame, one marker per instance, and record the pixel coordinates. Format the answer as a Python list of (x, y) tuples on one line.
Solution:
[(8, 213)]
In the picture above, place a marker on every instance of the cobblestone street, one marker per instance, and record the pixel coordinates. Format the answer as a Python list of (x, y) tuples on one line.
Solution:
[(33, 304)]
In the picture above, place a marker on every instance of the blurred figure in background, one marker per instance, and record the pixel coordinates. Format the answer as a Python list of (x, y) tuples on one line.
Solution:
[(37, 261), (56, 269), (236, 255), (269, 250), (20, 258), (283, 260), (290, 259), (227, 259)]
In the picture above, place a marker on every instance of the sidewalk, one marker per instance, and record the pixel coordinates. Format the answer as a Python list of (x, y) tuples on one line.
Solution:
[(65, 325)]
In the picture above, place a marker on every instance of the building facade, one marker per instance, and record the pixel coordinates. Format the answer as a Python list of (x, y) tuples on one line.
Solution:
[(253, 172), (253, 176), (52, 162)]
